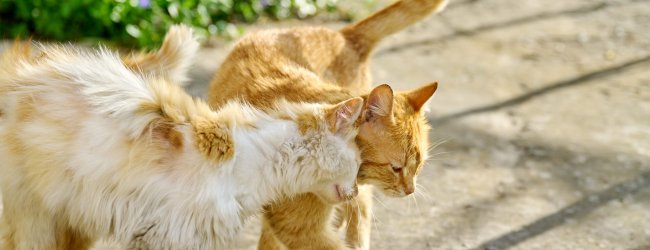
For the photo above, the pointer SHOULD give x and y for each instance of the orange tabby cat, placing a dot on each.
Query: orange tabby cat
(316, 64)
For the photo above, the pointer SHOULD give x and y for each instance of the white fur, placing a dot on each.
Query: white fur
(174, 57)
(89, 163)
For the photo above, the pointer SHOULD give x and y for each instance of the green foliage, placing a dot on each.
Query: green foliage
(140, 23)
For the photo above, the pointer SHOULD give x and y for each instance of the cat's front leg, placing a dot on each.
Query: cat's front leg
(358, 214)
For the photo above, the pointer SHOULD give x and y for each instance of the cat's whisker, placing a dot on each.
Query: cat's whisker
(422, 191)
(439, 153)
(373, 214)
(374, 220)
(436, 144)
(358, 220)
(350, 213)
(433, 156)
(421, 187)
(422, 194)
(416, 203)
(428, 198)
(436, 156)
(381, 203)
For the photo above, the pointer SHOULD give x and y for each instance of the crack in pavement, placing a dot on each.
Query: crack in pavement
(582, 79)
(454, 4)
(577, 209)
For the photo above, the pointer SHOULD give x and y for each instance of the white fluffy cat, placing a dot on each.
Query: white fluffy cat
(91, 149)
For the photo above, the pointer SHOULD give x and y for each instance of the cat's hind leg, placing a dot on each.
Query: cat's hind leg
(72, 239)
(25, 231)
(27, 228)
(6, 238)
(29, 225)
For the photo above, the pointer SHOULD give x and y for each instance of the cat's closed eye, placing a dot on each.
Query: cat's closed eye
(396, 169)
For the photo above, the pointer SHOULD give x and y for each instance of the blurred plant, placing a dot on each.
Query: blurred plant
(141, 23)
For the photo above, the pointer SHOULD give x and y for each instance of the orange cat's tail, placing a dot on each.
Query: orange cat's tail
(366, 33)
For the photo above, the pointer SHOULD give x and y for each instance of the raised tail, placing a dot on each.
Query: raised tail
(172, 60)
(9, 61)
(369, 31)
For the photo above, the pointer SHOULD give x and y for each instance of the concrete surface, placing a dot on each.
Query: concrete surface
(542, 119)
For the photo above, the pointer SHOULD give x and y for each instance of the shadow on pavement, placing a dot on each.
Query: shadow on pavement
(600, 161)
(577, 209)
(543, 91)
(496, 26)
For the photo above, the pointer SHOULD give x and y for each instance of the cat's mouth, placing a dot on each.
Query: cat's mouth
(339, 195)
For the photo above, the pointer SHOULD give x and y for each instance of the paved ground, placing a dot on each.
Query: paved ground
(543, 114)
(543, 119)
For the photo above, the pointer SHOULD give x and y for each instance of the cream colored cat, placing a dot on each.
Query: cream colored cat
(91, 149)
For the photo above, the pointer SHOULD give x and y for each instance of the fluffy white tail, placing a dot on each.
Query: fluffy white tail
(102, 80)
(172, 60)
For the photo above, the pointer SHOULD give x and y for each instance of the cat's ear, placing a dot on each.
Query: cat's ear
(343, 115)
(419, 97)
(379, 105)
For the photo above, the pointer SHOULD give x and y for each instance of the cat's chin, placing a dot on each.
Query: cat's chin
(392, 193)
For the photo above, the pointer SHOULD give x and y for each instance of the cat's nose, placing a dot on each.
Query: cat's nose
(409, 190)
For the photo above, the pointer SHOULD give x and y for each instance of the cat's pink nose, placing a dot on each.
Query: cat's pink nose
(409, 190)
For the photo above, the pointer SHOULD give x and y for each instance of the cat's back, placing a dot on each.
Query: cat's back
(277, 50)
(288, 63)
(311, 47)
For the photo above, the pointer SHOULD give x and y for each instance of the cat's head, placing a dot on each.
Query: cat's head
(328, 151)
(393, 139)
